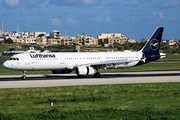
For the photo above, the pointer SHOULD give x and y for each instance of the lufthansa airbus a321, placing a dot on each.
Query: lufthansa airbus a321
(86, 63)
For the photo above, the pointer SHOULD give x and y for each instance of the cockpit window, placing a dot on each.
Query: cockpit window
(14, 59)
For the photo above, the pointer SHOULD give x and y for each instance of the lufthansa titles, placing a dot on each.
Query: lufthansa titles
(42, 56)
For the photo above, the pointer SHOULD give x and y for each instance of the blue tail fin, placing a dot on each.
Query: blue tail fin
(151, 49)
(153, 44)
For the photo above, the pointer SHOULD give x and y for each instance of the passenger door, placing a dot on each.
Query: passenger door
(27, 60)
(61, 57)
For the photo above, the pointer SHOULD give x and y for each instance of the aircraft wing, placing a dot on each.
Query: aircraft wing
(107, 63)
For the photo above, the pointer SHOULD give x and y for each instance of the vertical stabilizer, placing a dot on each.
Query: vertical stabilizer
(153, 44)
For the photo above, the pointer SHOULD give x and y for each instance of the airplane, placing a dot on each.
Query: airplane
(87, 63)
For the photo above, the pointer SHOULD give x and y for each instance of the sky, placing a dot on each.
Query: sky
(137, 19)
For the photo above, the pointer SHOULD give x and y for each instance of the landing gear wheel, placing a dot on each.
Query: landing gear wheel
(23, 77)
(97, 75)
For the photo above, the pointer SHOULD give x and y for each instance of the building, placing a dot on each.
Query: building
(55, 34)
(174, 42)
(51, 41)
(111, 35)
(4, 33)
(2, 38)
(131, 40)
(17, 40)
(67, 41)
(31, 34)
(27, 37)
(41, 39)
(88, 40)
(36, 34)
(15, 35)
(94, 42)
(107, 39)
(78, 39)
(55, 38)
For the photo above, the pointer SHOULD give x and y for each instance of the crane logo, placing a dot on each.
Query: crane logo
(154, 44)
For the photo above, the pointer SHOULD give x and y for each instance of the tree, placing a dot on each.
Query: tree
(120, 48)
(11, 49)
(8, 41)
(116, 44)
(126, 47)
(110, 46)
(165, 47)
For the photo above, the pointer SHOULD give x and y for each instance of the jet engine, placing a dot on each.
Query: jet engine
(61, 71)
(85, 70)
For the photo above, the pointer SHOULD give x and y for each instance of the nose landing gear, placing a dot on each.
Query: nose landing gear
(24, 75)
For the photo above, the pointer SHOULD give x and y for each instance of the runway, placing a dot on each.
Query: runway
(52, 80)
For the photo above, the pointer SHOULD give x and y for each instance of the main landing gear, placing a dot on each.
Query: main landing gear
(24, 75)
(97, 75)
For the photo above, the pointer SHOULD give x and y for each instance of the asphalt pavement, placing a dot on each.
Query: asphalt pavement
(53, 80)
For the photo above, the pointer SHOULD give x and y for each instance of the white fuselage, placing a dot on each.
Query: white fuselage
(60, 60)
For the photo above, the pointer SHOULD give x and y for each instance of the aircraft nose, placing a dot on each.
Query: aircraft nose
(6, 65)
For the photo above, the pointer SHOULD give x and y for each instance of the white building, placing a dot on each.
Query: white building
(38, 33)
(111, 35)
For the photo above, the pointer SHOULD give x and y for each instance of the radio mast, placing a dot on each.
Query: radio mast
(2, 26)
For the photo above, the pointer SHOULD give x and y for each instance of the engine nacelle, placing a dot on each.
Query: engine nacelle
(85, 70)
(61, 71)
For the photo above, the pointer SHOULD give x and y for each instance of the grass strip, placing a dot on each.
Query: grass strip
(171, 57)
(131, 101)
(4, 57)
(103, 114)
(2, 50)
